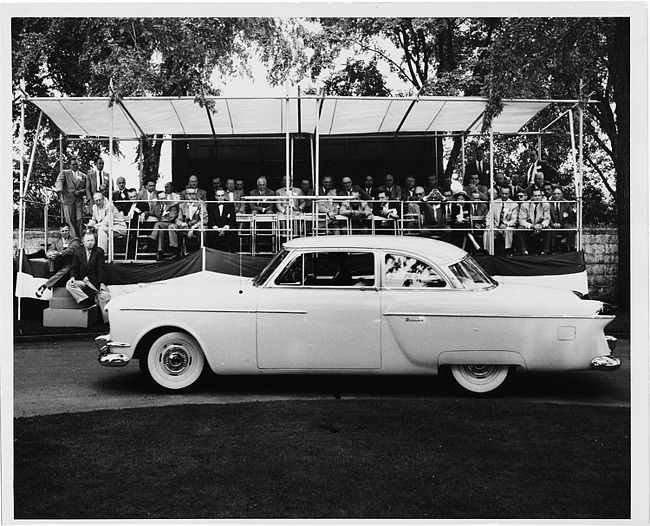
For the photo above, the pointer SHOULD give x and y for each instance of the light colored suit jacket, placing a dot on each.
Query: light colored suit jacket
(72, 188)
(510, 213)
(528, 217)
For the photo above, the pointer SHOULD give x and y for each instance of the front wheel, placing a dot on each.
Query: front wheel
(481, 379)
(174, 361)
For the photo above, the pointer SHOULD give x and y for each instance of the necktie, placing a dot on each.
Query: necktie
(99, 179)
(557, 211)
(220, 209)
(501, 215)
(535, 217)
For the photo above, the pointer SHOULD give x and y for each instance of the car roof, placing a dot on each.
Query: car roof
(437, 251)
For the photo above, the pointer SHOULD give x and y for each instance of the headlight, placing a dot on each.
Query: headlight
(607, 310)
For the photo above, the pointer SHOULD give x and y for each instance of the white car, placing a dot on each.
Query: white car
(358, 305)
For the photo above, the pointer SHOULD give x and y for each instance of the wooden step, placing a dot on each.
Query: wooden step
(70, 317)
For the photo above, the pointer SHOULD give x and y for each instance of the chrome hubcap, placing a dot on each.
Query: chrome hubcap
(480, 371)
(175, 360)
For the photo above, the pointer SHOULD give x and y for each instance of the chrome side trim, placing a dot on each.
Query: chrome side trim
(224, 311)
(517, 316)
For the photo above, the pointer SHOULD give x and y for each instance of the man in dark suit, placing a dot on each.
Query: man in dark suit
(408, 192)
(88, 275)
(393, 192)
(562, 216)
(478, 167)
(121, 194)
(97, 181)
(71, 187)
(537, 166)
(222, 222)
(368, 191)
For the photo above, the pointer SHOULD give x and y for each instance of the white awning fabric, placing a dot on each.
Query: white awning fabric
(134, 117)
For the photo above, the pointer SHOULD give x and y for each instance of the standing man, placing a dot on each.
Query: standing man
(368, 191)
(222, 222)
(71, 187)
(408, 192)
(478, 167)
(536, 165)
(216, 185)
(393, 192)
(88, 275)
(97, 180)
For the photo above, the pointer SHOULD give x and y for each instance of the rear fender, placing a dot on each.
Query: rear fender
(481, 357)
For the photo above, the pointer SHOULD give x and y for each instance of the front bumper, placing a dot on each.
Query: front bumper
(609, 362)
(107, 357)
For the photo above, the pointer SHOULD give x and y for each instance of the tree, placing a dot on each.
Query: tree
(145, 56)
(357, 78)
(574, 58)
(434, 56)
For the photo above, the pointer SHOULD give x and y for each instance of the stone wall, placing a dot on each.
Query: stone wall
(601, 258)
(600, 246)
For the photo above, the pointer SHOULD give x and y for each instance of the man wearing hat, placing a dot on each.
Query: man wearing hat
(460, 218)
(71, 187)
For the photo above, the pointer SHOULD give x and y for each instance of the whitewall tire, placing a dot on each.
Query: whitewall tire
(174, 361)
(481, 379)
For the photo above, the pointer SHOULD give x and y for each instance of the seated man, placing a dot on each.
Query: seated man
(222, 222)
(88, 275)
(358, 212)
(535, 215)
(60, 255)
(563, 216)
(328, 207)
(386, 213)
(149, 195)
(167, 211)
(101, 220)
(192, 216)
(474, 185)
(504, 221)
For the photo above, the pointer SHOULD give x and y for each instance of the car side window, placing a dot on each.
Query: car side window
(330, 269)
(402, 271)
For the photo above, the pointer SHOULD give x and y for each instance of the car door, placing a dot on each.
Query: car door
(415, 297)
(321, 311)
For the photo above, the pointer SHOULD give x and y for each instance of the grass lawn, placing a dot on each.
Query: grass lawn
(445, 459)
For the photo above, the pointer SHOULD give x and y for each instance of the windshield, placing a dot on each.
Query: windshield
(471, 275)
(270, 268)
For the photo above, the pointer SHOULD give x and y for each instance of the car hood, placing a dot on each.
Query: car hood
(193, 291)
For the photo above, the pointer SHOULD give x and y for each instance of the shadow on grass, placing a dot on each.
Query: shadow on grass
(446, 459)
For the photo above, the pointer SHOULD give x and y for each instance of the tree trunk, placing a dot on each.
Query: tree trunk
(619, 66)
(151, 159)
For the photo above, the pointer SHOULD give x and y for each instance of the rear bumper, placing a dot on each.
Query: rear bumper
(107, 356)
(608, 362)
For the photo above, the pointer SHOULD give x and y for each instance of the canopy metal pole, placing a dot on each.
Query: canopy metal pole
(573, 163)
(539, 147)
(110, 186)
(31, 158)
(21, 207)
(581, 116)
(287, 162)
(462, 157)
(140, 162)
(317, 146)
(491, 197)
(60, 170)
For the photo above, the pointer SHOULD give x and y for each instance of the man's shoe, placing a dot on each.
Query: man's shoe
(40, 290)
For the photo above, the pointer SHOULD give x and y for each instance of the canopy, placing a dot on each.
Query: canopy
(232, 116)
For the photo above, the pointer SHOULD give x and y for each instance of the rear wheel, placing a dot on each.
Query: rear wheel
(175, 361)
(481, 379)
